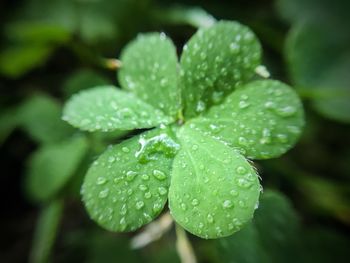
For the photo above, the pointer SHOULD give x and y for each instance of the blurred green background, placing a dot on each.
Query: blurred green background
(52, 49)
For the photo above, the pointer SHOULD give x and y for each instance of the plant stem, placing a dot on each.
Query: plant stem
(152, 232)
(184, 247)
(46, 231)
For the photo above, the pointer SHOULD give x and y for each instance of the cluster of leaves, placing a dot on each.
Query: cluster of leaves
(211, 112)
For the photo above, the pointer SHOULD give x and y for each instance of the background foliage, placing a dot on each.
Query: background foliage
(52, 49)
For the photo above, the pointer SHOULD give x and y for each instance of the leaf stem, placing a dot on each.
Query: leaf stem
(152, 232)
(46, 231)
(184, 247)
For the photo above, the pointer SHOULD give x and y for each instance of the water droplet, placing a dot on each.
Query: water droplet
(194, 147)
(282, 138)
(195, 202)
(145, 177)
(269, 105)
(242, 141)
(139, 205)
(243, 104)
(200, 106)
(111, 159)
(210, 218)
(159, 175)
(104, 193)
(101, 180)
(242, 204)
(241, 170)
(162, 190)
(243, 183)
(183, 206)
(123, 223)
(234, 192)
(129, 192)
(143, 187)
(130, 175)
(227, 204)
(148, 195)
(123, 210)
(157, 207)
(125, 149)
(234, 47)
(286, 111)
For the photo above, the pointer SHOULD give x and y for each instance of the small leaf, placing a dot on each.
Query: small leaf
(127, 186)
(263, 119)
(107, 108)
(215, 61)
(46, 231)
(149, 70)
(40, 117)
(51, 167)
(214, 190)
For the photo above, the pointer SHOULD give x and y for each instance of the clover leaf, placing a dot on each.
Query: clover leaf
(208, 118)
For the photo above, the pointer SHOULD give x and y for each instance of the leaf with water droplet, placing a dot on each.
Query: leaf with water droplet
(150, 71)
(120, 192)
(214, 61)
(213, 209)
(51, 167)
(107, 108)
(263, 119)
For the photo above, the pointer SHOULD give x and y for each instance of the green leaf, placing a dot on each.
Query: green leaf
(184, 15)
(51, 167)
(8, 122)
(127, 186)
(263, 119)
(83, 79)
(46, 231)
(272, 235)
(18, 60)
(40, 117)
(214, 190)
(37, 32)
(149, 70)
(107, 108)
(215, 61)
(324, 75)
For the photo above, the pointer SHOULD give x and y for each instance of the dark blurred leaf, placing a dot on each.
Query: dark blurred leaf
(36, 32)
(324, 245)
(318, 53)
(271, 237)
(8, 122)
(83, 79)
(326, 196)
(51, 167)
(17, 60)
(40, 117)
(182, 15)
(45, 232)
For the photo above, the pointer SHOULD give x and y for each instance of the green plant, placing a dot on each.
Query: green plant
(210, 115)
